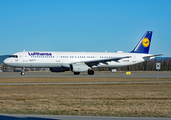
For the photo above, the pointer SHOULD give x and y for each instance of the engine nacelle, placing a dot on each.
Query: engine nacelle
(59, 69)
(78, 67)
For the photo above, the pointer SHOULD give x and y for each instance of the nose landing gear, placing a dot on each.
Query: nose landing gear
(22, 72)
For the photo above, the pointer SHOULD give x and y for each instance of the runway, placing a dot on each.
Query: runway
(134, 74)
(59, 117)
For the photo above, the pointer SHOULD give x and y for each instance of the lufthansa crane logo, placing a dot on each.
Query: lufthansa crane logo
(146, 42)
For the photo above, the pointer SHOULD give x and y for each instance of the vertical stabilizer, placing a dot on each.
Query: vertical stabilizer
(144, 44)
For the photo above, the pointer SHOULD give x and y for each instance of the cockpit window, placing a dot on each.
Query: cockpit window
(13, 56)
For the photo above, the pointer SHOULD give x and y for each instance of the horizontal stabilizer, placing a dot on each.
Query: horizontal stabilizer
(153, 55)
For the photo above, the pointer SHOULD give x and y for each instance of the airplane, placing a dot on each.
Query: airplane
(82, 61)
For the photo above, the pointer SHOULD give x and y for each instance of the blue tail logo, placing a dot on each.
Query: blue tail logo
(144, 44)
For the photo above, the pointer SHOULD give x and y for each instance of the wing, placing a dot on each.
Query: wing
(96, 62)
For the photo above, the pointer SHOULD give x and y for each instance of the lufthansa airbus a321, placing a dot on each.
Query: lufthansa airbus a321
(82, 61)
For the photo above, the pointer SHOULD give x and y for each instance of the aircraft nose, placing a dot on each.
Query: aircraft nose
(6, 61)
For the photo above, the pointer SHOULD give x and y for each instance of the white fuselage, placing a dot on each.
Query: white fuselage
(64, 59)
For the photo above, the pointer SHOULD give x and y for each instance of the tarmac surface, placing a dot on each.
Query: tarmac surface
(134, 74)
(59, 117)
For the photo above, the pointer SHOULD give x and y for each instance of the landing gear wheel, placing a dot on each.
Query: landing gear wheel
(76, 73)
(22, 73)
(90, 72)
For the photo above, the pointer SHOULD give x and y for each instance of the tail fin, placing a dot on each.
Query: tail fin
(144, 44)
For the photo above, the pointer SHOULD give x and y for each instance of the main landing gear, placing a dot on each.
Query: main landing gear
(22, 72)
(90, 72)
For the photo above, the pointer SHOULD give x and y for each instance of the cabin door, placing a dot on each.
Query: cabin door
(134, 59)
(25, 57)
(58, 58)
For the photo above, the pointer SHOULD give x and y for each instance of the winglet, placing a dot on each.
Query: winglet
(144, 44)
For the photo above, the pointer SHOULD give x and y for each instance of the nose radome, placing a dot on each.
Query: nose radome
(6, 61)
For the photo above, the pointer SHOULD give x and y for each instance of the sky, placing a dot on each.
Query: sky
(84, 25)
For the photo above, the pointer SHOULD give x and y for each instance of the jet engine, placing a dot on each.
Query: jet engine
(78, 67)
